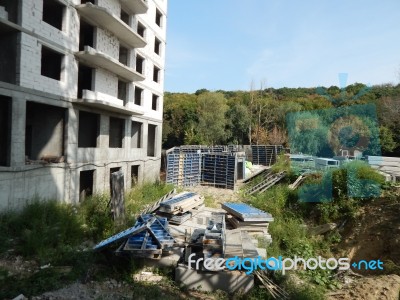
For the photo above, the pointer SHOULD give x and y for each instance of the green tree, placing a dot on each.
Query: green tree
(387, 139)
(180, 115)
(238, 123)
(212, 108)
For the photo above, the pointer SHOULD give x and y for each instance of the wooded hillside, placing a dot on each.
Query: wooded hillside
(262, 116)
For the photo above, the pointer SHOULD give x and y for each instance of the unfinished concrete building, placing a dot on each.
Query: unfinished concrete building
(81, 96)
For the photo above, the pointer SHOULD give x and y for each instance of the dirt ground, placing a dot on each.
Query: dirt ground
(16, 265)
(113, 290)
(370, 288)
(218, 195)
(375, 234)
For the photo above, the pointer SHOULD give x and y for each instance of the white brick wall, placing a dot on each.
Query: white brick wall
(152, 31)
(60, 183)
(32, 20)
(106, 82)
(107, 43)
(30, 75)
(113, 5)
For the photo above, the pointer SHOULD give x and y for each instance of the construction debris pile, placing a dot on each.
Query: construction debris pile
(249, 218)
(179, 226)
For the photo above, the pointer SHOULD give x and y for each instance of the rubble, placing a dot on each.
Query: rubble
(182, 227)
(147, 277)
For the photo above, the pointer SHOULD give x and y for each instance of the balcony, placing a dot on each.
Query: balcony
(106, 102)
(135, 6)
(103, 18)
(96, 59)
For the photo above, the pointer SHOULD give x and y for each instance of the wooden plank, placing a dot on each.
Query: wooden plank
(118, 196)
(298, 181)
(271, 183)
(275, 290)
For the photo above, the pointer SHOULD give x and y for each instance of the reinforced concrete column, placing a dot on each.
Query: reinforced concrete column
(104, 135)
(71, 137)
(18, 123)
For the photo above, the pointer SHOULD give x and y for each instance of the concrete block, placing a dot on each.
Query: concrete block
(166, 260)
(229, 281)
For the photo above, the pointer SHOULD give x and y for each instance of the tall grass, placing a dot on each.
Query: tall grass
(41, 229)
(44, 228)
(94, 213)
(58, 233)
(140, 197)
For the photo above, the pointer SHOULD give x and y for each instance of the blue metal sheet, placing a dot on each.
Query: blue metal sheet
(155, 237)
(120, 236)
(244, 211)
(145, 223)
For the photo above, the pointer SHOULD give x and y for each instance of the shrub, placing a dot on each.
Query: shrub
(274, 200)
(342, 191)
(96, 218)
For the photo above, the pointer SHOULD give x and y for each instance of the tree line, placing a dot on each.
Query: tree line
(265, 116)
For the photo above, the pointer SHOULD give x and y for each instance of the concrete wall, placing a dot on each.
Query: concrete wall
(57, 182)
(19, 183)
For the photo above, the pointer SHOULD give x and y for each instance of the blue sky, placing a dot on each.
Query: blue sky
(227, 44)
